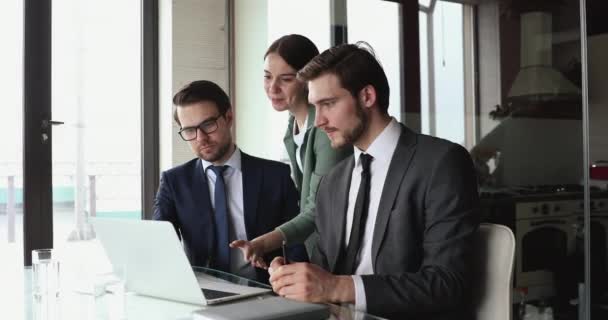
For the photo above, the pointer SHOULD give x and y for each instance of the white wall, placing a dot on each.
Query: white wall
(598, 97)
(194, 46)
(165, 85)
(489, 64)
(312, 20)
(597, 50)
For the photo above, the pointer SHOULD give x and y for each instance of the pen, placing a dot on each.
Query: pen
(284, 245)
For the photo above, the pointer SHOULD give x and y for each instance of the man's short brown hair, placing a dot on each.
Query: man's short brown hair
(200, 91)
(355, 65)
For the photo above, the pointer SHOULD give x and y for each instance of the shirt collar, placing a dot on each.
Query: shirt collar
(233, 162)
(301, 130)
(383, 146)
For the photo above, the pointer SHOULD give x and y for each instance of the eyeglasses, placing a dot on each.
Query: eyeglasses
(208, 126)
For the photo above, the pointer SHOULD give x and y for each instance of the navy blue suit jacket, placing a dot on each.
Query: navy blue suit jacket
(269, 199)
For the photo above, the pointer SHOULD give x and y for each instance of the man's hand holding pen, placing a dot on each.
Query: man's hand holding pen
(284, 247)
(308, 282)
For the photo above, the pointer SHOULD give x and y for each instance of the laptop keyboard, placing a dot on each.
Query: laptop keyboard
(214, 294)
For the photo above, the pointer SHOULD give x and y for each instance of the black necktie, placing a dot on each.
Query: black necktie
(359, 216)
(222, 233)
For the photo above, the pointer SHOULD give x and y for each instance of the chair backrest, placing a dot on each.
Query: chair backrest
(494, 272)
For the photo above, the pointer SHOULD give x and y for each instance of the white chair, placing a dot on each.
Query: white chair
(493, 272)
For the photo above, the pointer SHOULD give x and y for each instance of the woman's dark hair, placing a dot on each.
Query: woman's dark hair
(295, 49)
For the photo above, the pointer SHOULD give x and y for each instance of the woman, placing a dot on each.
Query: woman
(308, 147)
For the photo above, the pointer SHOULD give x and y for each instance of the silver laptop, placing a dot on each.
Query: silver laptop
(157, 266)
(275, 308)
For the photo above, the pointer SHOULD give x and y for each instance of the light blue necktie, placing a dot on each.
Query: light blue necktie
(222, 233)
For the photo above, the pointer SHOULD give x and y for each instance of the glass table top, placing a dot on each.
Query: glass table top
(232, 278)
(336, 311)
(73, 305)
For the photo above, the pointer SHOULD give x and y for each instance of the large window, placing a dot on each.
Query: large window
(96, 92)
(442, 68)
(11, 142)
(384, 38)
(11, 149)
(63, 63)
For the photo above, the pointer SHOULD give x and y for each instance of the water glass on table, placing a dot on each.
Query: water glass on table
(45, 273)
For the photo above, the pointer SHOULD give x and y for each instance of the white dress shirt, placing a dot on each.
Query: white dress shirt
(382, 150)
(298, 139)
(233, 179)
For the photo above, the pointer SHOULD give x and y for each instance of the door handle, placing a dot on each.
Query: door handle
(45, 125)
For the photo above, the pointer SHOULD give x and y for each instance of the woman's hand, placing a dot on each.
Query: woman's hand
(253, 251)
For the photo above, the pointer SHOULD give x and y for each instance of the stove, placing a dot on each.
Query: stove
(547, 221)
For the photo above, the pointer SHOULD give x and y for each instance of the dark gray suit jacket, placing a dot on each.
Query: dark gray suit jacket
(422, 242)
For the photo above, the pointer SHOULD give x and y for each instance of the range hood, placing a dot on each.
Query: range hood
(537, 80)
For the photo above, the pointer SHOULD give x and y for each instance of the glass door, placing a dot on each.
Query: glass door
(96, 93)
(96, 98)
(529, 147)
(594, 62)
(11, 146)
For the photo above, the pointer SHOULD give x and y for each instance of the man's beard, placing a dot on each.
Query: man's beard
(353, 135)
(221, 152)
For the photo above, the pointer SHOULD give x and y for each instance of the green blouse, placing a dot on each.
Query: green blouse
(317, 158)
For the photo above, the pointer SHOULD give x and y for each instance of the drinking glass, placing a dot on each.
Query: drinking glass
(45, 269)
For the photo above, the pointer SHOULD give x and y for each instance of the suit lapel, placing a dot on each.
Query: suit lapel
(339, 207)
(396, 172)
(252, 178)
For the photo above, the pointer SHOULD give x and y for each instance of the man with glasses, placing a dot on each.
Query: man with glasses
(223, 194)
